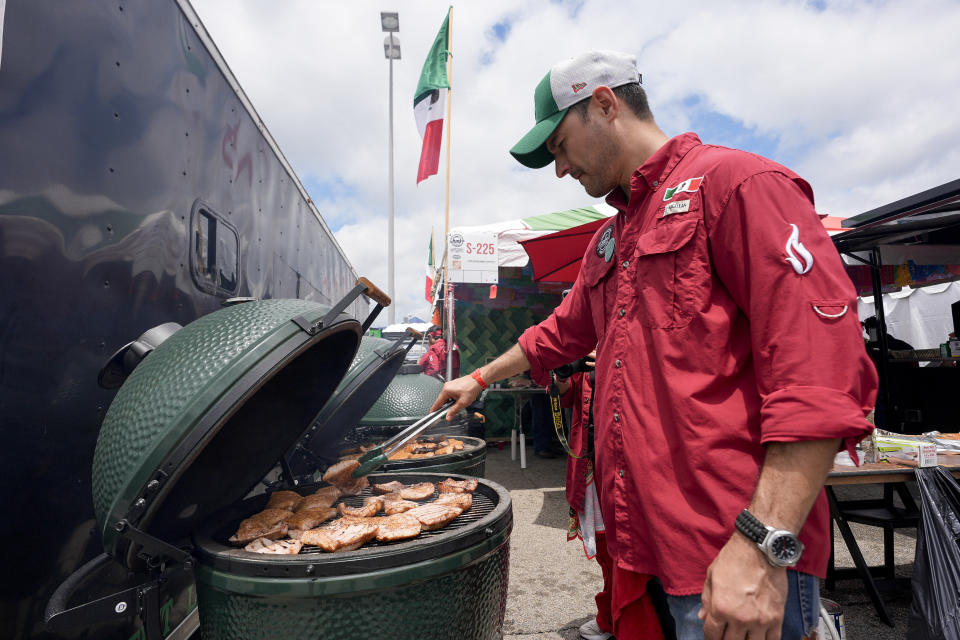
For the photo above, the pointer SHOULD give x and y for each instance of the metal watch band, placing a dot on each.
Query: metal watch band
(747, 524)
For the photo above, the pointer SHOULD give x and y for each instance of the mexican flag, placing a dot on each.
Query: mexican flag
(428, 102)
(430, 271)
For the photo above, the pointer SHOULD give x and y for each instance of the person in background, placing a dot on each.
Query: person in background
(729, 370)
(586, 520)
(434, 361)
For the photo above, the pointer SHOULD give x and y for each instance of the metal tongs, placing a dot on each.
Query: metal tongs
(374, 459)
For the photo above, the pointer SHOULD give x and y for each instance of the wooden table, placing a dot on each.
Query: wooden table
(880, 512)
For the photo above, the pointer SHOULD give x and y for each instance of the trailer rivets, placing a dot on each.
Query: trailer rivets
(152, 485)
(121, 607)
(310, 569)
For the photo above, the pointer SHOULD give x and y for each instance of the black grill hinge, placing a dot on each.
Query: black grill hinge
(152, 548)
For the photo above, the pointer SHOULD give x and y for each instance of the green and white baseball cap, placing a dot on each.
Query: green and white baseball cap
(566, 84)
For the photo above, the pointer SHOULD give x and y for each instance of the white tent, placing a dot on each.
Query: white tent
(920, 316)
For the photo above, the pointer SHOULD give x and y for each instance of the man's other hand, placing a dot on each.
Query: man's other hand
(463, 391)
(743, 595)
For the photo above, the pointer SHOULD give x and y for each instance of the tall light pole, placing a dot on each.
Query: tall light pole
(390, 22)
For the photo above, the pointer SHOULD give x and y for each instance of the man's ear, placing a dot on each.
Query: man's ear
(605, 104)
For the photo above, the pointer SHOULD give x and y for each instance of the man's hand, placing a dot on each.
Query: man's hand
(743, 596)
(463, 391)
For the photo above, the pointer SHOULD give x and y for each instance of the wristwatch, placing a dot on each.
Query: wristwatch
(780, 547)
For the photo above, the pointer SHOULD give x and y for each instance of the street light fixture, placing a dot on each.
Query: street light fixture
(390, 22)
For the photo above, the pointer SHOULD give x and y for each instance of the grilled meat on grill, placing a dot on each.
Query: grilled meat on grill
(280, 547)
(270, 523)
(393, 504)
(399, 526)
(355, 487)
(460, 500)
(308, 519)
(457, 486)
(340, 476)
(420, 491)
(388, 487)
(289, 500)
(339, 473)
(340, 535)
(320, 500)
(371, 507)
(434, 516)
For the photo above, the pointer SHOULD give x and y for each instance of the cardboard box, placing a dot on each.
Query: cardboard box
(906, 451)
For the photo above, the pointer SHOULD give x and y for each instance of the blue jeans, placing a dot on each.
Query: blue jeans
(800, 617)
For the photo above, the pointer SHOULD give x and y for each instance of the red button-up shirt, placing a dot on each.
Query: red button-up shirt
(723, 320)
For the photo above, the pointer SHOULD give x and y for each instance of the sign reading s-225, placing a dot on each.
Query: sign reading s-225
(473, 256)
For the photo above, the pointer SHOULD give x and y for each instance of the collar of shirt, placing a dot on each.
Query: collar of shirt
(651, 174)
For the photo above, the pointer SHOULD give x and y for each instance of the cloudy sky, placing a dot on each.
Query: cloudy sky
(859, 97)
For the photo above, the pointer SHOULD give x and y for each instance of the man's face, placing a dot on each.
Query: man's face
(587, 151)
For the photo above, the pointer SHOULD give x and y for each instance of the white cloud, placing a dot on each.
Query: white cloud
(859, 95)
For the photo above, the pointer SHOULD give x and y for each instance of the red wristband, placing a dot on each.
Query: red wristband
(476, 376)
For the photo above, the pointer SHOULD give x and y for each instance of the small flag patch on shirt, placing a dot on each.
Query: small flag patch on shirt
(680, 206)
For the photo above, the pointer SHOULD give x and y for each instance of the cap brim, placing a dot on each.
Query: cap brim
(531, 151)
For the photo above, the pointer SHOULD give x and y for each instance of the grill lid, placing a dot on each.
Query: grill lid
(406, 400)
(202, 420)
(373, 368)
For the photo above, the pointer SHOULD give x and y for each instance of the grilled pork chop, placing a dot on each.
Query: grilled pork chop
(460, 500)
(355, 487)
(420, 491)
(434, 516)
(289, 500)
(399, 526)
(388, 487)
(340, 535)
(371, 507)
(457, 486)
(269, 523)
(320, 501)
(339, 473)
(280, 547)
(330, 493)
(308, 519)
(393, 504)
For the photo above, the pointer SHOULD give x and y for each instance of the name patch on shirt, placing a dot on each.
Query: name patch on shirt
(681, 206)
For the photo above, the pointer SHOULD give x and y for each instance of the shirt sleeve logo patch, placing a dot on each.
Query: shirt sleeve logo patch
(606, 244)
(797, 254)
(690, 185)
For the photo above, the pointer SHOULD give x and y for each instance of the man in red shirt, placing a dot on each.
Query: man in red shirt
(730, 363)
(434, 361)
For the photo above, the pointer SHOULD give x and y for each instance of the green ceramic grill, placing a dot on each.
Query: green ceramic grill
(182, 451)
(209, 412)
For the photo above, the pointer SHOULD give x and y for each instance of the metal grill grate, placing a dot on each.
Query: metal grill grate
(482, 505)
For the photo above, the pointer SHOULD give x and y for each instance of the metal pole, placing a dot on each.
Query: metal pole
(391, 310)
(448, 299)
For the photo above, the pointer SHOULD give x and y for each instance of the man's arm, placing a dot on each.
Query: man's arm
(464, 390)
(744, 595)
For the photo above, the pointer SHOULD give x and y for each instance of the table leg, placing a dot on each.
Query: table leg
(513, 443)
(523, 449)
(858, 560)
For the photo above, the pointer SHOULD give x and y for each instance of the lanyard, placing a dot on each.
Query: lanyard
(557, 413)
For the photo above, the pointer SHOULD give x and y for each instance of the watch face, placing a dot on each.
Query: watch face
(786, 548)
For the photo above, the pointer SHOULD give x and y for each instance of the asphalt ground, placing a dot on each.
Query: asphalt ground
(552, 584)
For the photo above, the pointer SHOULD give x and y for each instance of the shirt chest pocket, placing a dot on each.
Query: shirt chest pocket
(672, 273)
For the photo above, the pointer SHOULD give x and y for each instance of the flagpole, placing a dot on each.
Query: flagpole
(448, 298)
